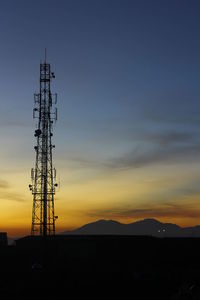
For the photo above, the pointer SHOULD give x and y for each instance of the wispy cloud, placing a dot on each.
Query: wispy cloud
(4, 184)
(149, 148)
(167, 210)
(7, 194)
(11, 196)
(177, 201)
(171, 154)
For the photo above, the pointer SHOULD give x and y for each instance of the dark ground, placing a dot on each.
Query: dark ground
(101, 266)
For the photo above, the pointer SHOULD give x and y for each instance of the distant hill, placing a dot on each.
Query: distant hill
(144, 227)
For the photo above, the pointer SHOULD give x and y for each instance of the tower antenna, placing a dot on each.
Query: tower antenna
(44, 175)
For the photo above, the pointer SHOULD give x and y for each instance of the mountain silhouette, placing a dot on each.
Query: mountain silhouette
(151, 227)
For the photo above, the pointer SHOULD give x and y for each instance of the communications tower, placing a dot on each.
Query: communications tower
(43, 176)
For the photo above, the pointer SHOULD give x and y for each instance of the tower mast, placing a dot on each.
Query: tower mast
(44, 175)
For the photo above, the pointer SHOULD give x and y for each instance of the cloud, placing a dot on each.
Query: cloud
(4, 184)
(11, 197)
(180, 201)
(168, 147)
(6, 194)
(148, 148)
(138, 158)
(166, 210)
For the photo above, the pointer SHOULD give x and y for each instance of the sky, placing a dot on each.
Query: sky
(127, 137)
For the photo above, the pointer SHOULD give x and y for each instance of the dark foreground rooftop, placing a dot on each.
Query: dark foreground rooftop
(146, 267)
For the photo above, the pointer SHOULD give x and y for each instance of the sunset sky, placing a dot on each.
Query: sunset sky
(128, 132)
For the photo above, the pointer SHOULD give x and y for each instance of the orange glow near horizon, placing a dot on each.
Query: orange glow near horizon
(124, 196)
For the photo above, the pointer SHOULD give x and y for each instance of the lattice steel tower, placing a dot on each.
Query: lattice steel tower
(44, 175)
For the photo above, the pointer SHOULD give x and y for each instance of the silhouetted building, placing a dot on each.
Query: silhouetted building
(3, 239)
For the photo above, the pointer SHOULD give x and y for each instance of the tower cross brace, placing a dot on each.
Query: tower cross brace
(43, 176)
